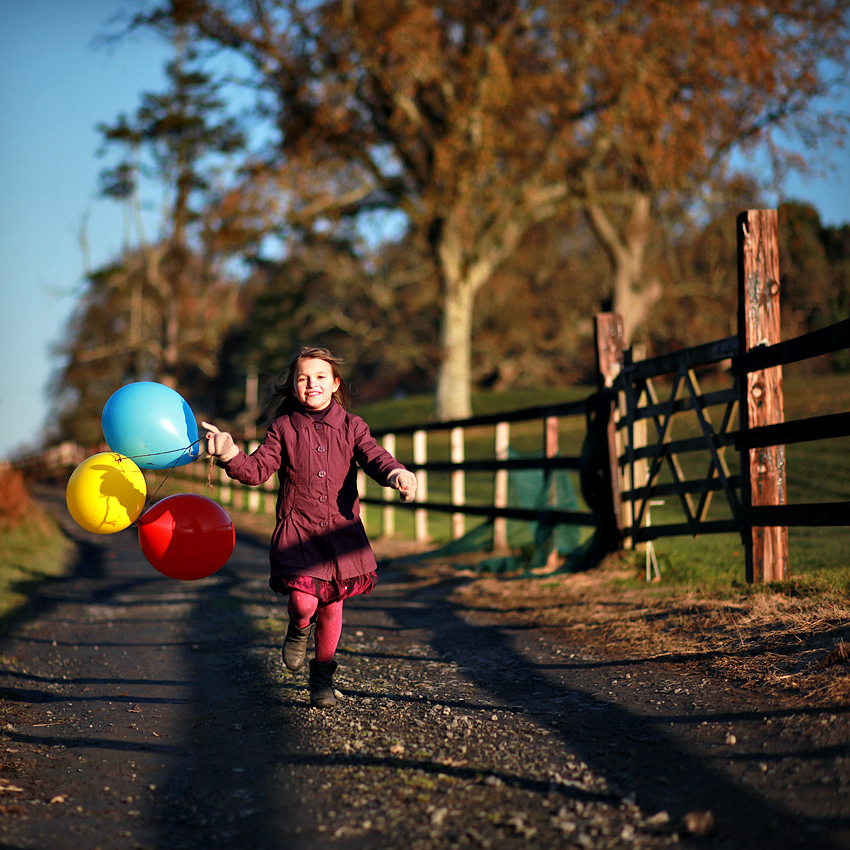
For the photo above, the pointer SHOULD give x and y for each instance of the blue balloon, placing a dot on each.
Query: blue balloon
(152, 424)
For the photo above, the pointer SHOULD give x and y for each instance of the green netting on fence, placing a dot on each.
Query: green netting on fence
(530, 542)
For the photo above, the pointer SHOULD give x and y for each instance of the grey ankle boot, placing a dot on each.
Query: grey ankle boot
(295, 645)
(321, 683)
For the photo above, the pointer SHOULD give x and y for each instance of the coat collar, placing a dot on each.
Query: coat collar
(334, 418)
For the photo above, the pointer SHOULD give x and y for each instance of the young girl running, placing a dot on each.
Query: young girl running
(319, 551)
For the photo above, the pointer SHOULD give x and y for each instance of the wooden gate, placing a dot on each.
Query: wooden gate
(747, 415)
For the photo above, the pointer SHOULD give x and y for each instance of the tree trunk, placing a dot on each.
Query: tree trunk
(453, 397)
(627, 250)
(462, 276)
(632, 303)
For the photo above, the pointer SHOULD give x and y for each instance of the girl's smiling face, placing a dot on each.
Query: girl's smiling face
(314, 383)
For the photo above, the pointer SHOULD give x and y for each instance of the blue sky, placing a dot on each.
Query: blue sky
(55, 87)
(54, 90)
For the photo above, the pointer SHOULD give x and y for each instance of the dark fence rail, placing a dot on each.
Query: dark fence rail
(526, 414)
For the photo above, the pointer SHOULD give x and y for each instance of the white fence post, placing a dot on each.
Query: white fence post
(225, 491)
(388, 494)
(420, 455)
(361, 493)
(271, 496)
(254, 493)
(458, 483)
(500, 494)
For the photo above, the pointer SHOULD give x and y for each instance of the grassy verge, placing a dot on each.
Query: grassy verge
(31, 550)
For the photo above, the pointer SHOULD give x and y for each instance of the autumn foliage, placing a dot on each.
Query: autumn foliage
(479, 121)
(15, 502)
(538, 161)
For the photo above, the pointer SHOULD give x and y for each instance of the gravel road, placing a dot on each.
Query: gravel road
(140, 712)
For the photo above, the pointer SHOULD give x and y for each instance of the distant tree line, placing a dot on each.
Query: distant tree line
(446, 192)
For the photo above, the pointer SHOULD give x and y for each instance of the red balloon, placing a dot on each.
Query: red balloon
(187, 537)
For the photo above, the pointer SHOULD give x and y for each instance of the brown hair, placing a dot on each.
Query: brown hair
(283, 398)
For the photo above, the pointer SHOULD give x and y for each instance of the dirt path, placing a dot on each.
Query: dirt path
(145, 713)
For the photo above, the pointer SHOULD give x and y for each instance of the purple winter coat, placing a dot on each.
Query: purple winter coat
(318, 531)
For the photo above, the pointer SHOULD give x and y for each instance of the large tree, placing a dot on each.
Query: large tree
(417, 107)
(480, 119)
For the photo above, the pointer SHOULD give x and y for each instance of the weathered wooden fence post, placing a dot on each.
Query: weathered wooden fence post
(635, 470)
(762, 469)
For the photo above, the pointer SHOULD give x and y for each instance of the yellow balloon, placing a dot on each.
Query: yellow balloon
(106, 493)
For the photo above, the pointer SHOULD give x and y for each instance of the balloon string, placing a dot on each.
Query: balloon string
(209, 482)
(150, 497)
(169, 452)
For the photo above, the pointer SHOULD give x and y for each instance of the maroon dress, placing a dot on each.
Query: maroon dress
(319, 544)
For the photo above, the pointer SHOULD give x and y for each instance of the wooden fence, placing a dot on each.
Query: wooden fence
(755, 494)
(442, 449)
(458, 466)
(623, 473)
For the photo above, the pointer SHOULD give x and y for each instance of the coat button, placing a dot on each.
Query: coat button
(323, 498)
(324, 523)
(321, 473)
(317, 425)
(320, 448)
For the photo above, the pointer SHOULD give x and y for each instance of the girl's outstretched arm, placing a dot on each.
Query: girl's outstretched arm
(378, 463)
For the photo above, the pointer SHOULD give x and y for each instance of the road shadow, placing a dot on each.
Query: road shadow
(228, 791)
(223, 782)
(631, 750)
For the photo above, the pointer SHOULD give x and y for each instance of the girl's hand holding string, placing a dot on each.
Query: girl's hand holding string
(405, 482)
(219, 443)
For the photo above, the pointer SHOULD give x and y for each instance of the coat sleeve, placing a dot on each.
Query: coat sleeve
(261, 464)
(375, 461)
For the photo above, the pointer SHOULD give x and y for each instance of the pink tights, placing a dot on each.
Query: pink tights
(302, 606)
